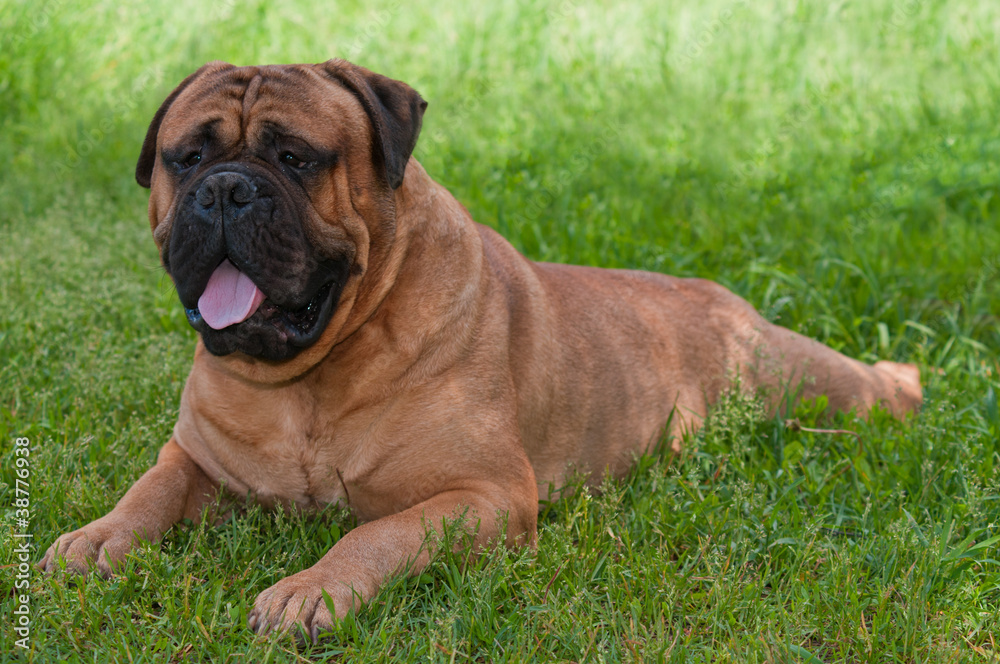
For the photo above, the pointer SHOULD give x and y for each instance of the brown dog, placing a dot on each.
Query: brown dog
(364, 342)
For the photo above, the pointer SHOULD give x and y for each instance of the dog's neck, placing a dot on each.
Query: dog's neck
(435, 242)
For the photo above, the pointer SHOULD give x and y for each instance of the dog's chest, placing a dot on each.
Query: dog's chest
(276, 450)
(308, 468)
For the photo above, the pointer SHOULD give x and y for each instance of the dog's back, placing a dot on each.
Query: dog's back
(603, 359)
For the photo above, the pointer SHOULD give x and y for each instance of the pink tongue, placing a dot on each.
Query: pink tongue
(229, 298)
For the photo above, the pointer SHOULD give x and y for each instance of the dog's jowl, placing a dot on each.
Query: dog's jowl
(362, 341)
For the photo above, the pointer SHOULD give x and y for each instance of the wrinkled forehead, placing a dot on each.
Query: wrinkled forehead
(246, 104)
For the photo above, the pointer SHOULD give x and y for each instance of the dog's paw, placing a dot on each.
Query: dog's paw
(296, 604)
(100, 544)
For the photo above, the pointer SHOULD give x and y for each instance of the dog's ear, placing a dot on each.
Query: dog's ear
(147, 157)
(395, 110)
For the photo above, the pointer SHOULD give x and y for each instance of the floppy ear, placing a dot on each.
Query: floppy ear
(147, 158)
(395, 110)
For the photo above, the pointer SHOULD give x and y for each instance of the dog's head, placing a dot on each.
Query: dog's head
(272, 193)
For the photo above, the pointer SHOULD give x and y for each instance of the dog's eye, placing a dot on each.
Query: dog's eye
(293, 161)
(191, 160)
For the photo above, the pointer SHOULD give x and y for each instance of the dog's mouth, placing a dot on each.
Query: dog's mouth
(300, 323)
(234, 314)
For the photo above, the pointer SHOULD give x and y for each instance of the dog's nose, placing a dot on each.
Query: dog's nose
(227, 189)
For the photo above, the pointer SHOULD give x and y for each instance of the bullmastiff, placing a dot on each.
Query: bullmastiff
(363, 342)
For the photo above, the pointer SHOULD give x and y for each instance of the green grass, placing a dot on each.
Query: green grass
(834, 163)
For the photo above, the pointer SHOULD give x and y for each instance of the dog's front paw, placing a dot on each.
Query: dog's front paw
(100, 542)
(296, 603)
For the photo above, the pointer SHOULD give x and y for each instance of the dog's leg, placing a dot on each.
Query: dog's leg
(786, 363)
(356, 567)
(171, 490)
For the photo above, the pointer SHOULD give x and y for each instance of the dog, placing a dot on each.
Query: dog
(363, 342)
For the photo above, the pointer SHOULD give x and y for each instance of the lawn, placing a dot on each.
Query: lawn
(833, 163)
